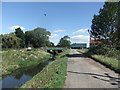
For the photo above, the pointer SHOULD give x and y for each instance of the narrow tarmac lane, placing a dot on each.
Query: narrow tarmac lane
(83, 72)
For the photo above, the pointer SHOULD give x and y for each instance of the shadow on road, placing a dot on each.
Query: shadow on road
(75, 55)
(111, 80)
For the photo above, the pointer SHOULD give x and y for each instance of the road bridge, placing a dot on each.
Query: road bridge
(55, 50)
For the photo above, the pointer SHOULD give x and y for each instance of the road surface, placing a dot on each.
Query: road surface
(83, 72)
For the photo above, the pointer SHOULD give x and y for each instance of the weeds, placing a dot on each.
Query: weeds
(52, 76)
(14, 59)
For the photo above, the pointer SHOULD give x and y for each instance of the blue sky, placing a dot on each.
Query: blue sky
(62, 18)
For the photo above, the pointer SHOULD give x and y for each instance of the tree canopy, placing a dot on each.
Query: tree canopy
(105, 25)
(39, 37)
(64, 42)
(20, 34)
(10, 41)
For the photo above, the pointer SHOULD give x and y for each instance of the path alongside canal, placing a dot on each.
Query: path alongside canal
(83, 72)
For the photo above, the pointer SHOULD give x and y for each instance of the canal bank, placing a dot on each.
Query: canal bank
(20, 76)
(16, 59)
(52, 76)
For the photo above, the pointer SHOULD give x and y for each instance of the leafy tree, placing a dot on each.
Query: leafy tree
(10, 41)
(19, 33)
(51, 44)
(64, 42)
(105, 26)
(117, 33)
(38, 37)
(29, 38)
(1, 36)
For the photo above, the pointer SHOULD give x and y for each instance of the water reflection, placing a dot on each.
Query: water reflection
(11, 81)
(20, 76)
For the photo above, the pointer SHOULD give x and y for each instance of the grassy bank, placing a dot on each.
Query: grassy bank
(110, 62)
(82, 50)
(14, 59)
(52, 76)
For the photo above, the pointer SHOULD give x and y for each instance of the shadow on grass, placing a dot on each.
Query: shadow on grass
(112, 80)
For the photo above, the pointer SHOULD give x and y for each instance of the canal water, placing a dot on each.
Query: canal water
(20, 76)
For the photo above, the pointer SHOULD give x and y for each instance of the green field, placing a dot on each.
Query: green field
(14, 59)
(52, 76)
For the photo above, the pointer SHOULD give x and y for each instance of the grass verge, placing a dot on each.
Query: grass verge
(52, 76)
(110, 62)
(15, 59)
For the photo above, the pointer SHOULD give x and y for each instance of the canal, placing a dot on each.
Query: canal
(20, 76)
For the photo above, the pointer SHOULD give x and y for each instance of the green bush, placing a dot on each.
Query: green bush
(107, 51)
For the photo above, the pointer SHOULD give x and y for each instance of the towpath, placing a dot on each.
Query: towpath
(83, 72)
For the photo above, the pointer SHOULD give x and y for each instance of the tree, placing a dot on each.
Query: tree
(49, 44)
(64, 42)
(105, 25)
(117, 34)
(19, 33)
(29, 38)
(10, 41)
(38, 37)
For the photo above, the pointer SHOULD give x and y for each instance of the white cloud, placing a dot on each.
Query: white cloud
(81, 31)
(59, 31)
(80, 38)
(14, 27)
(53, 35)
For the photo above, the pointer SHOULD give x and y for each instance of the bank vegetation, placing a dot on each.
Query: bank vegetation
(52, 76)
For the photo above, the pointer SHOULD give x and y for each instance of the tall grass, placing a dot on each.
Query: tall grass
(14, 59)
(110, 62)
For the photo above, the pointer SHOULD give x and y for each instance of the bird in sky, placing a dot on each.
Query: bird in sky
(45, 14)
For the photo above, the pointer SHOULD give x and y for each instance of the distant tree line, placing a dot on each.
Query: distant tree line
(106, 25)
(39, 37)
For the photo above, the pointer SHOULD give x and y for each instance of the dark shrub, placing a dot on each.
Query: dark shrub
(107, 51)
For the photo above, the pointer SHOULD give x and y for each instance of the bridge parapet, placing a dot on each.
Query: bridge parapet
(56, 48)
